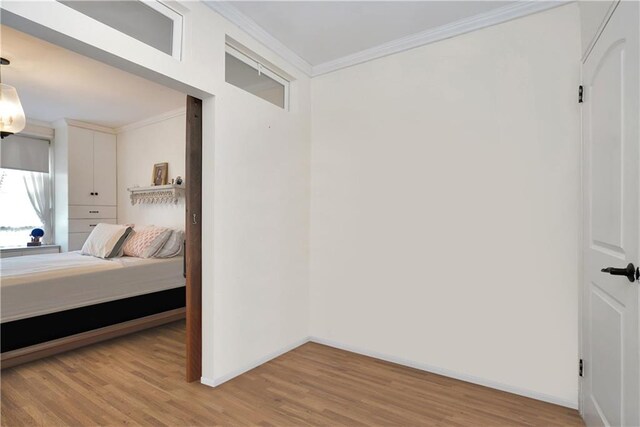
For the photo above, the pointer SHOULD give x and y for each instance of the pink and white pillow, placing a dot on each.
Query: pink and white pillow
(146, 242)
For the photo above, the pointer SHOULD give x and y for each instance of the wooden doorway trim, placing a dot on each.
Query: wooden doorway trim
(193, 230)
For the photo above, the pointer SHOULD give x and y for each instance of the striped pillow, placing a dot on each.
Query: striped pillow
(146, 242)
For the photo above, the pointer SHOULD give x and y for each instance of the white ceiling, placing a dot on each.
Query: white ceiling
(322, 36)
(322, 31)
(54, 83)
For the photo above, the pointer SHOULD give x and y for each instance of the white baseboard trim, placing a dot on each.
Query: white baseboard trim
(448, 373)
(216, 381)
(398, 360)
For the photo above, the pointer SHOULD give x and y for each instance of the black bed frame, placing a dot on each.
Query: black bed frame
(40, 329)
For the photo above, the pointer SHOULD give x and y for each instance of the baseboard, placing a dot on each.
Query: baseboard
(216, 381)
(398, 360)
(448, 373)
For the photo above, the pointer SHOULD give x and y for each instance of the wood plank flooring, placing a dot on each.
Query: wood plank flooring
(139, 380)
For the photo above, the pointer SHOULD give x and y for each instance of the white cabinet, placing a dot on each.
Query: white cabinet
(104, 169)
(80, 172)
(92, 167)
(85, 181)
(87, 225)
(76, 240)
(92, 212)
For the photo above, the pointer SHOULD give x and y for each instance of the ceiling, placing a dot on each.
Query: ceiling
(322, 31)
(54, 83)
(321, 36)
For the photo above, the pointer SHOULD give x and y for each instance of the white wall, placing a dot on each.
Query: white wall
(444, 200)
(139, 147)
(431, 168)
(256, 177)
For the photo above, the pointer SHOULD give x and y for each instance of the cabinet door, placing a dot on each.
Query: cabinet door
(76, 240)
(104, 169)
(80, 166)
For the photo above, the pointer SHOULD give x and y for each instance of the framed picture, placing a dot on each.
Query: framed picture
(160, 173)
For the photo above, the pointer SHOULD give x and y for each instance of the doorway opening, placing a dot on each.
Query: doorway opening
(125, 156)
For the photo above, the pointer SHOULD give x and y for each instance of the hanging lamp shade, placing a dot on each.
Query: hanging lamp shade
(12, 119)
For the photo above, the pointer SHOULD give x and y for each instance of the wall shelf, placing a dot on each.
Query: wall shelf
(156, 194)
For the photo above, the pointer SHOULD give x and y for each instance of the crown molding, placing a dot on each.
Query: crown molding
(85, 125)
(151, 120)
(500, 15)
(38, 129)
(463, 26)
(249, 26)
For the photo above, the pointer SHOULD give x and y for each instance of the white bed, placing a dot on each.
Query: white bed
(41, 284)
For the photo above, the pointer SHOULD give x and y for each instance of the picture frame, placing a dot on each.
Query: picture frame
(160, 174)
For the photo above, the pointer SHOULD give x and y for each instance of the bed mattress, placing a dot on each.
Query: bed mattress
(41, 284)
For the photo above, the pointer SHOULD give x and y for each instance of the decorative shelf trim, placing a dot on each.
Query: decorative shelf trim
(156, 194)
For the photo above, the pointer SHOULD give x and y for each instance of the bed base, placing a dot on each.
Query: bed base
(27, 354)
(41, 336)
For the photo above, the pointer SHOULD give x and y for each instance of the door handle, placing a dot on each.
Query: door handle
(631, 272)
(195, 219)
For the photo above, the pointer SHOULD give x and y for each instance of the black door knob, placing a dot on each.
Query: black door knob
(630, 271)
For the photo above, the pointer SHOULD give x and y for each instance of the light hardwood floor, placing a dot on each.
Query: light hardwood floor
(139, 379)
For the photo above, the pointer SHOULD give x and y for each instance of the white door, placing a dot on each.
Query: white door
(611, 139)
(104, 169)
(80, 166)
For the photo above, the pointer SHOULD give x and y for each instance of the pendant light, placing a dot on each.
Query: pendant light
(12, 119)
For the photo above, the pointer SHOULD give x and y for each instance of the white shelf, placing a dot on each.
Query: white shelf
(156, 194)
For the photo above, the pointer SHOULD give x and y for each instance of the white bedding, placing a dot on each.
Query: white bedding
(40, 284)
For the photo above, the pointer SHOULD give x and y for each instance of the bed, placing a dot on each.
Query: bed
(54, 301)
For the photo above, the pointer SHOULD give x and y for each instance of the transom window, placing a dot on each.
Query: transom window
(151, 21)
(250, 75)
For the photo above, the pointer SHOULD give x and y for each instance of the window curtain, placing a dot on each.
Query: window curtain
(38, 187)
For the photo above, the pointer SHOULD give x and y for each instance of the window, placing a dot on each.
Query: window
(150, 21)
(17, 216)
(25, 190)
(248, 74)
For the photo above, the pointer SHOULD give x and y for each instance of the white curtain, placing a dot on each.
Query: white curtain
(38, 187)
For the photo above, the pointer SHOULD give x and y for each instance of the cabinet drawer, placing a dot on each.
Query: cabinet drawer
(87, 225)
(84, 211)
(76, 240)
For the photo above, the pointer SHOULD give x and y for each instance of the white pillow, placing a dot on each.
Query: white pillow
(106, 240)
(173, 246)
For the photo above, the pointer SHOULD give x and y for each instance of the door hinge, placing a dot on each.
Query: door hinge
(580, 94)
(581, 368)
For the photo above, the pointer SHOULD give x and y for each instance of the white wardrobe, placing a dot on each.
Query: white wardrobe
(85, 181)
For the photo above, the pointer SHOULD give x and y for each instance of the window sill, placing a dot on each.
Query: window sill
(13, 251)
